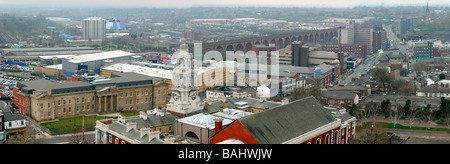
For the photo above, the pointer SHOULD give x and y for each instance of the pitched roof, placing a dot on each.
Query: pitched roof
(434, 89)
(286, 122)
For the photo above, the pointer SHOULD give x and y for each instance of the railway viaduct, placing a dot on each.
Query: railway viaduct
(280, 41)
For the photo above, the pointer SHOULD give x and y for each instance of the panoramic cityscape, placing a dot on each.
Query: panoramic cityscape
(224, 72)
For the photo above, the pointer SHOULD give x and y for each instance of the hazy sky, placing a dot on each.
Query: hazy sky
(190, 3)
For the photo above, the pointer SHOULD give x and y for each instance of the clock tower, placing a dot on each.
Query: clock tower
(184, 100)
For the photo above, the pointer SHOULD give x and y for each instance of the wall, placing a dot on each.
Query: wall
(234, 130)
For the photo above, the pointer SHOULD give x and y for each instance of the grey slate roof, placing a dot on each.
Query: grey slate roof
(251, 102)
(339, 94)
(285, 122)
(434, 89)
(152, 121)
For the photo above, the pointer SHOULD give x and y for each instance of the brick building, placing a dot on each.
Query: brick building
(43, 100)
(304, 121)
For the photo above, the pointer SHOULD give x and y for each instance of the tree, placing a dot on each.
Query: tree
(395, 114)
(385, 105)
(381, 75)
(441, 76)
(372, 110)
(444, 111)
(371, 136)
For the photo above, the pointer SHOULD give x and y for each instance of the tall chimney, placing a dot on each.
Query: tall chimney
(218, 124)
(339, 39)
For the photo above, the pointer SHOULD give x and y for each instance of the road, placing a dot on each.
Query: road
(363, 68)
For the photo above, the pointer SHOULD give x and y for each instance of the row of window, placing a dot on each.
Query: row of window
(69, 110)
(139, 93)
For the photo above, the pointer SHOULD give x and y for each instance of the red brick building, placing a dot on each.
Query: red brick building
(304, 121)
(359, 50)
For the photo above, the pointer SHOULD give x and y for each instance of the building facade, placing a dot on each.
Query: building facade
(43, 100)
(304, 121)
(94, 28)
(300, 54)
(423, 50)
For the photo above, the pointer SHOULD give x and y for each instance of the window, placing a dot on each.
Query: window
(88, 107)
(82, 99)
(117, 141)
(48, 105)
(137, 101)
(137, 93)
(64, 102)
(59, 102)
(131, 94)
(70, 101)
(110, 138)
(126, 94)
(336, 135)
(121, 95)
(78, 100)
(42, 106)
(318, 141)
(49, 114)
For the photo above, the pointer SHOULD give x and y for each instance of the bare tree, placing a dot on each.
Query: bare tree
(372, 110)
(396, 114)
(412, 115)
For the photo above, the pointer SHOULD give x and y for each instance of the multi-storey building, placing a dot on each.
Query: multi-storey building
(423, 50)
(44, 100)
(94, 28)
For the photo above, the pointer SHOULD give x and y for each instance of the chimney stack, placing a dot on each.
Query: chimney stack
(121, 119)
(143, 115)
(218, 124)
(221, 108)
(131, 125)
(144, 131)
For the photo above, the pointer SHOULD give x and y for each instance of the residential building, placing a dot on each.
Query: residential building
(304, 121)
(11, 124)
(433, 91)
(342, 99)
(94, 28)
(43, 100)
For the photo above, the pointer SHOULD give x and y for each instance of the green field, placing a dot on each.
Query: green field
(398, 126)
(71, 122)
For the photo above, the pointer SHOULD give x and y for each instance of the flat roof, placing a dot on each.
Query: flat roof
(99, 56)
